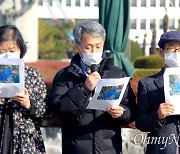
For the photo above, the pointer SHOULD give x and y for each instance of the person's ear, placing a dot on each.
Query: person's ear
(161, 52)
(76, 48)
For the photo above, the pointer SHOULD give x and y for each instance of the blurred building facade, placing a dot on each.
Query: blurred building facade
(23, 14)
(144, 15)
(28, 24)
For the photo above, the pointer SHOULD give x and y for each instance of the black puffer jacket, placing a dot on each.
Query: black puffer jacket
(86, 131)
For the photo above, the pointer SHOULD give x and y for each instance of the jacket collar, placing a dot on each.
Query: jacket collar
(75, 66)
(159, 81)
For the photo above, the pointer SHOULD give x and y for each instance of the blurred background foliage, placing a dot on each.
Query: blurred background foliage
(136, 50)
(147, 65)
(153, 61)
(54, 42)
(144, 72)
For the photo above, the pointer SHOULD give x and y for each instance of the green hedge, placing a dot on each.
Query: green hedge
(141, 73)
(152, 61)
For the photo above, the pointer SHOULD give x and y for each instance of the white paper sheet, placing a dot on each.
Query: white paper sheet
(108, 93)
(172, 87)
(11, 77)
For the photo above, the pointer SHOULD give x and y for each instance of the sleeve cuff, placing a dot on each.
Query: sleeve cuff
(85, 89)
(162, 122)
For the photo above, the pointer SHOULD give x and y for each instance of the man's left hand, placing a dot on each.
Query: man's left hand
(116, 111)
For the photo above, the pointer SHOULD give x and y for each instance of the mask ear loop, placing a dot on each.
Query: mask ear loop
(162, 52)
(81, 55)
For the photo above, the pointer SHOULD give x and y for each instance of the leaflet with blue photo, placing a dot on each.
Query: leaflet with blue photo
(11, 77)
(108, 93)
(172, 87)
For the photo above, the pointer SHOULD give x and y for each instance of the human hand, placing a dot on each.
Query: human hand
(116, 112)
(23, 99)
(165, 109)
(92, 80)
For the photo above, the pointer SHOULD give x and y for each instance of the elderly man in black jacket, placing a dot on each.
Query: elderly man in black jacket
(163, 130)
(87, 131)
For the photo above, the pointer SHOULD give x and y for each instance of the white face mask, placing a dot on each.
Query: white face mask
(13, 55)
(172, 59)
(91, 58)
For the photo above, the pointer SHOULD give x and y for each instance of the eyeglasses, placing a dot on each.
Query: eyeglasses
(172, 49)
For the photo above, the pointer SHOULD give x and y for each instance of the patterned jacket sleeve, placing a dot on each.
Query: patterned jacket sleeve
(37, 92)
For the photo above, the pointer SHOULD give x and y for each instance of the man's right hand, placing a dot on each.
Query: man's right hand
(92, 80)
(165, 109)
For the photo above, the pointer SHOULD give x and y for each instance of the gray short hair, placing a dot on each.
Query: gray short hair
(90, 27)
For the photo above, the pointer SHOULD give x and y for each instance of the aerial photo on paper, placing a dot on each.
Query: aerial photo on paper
(9, 74)
(174, 84)
(110, 92)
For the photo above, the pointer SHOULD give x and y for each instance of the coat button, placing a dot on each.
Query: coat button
(178, 122)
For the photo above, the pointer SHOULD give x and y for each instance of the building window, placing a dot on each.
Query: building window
(171, 3)
(96, 3)
(133, 24)
(143, 23)
(143, 3)
(171, 24)
(77, 3)
(161, 24)
(40, 2)
(68, 2)
(153, 3)
(87, 2)
(50, 2)
(134, 3)
(162, 3)
(152, 23)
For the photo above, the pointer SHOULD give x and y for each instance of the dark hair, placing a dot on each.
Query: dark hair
(11, 33)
